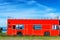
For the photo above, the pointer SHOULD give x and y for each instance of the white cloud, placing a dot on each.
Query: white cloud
(50, 10)
(51, 15)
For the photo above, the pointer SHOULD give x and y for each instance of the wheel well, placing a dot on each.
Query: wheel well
(59, 34)
(47, 33)
(19, 33)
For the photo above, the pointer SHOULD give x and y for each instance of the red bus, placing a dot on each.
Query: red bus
(33, 27)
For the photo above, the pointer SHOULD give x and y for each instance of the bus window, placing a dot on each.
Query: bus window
(19, 26)
(37, 27)
(13, 26)
(55, 27)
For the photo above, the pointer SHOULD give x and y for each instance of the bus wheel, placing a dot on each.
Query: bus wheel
(47, 34)
(19, 34)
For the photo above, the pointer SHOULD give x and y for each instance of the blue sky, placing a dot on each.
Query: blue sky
(28, 9)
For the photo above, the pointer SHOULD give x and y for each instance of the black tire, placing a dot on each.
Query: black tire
(47, 34)
(19, 34)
